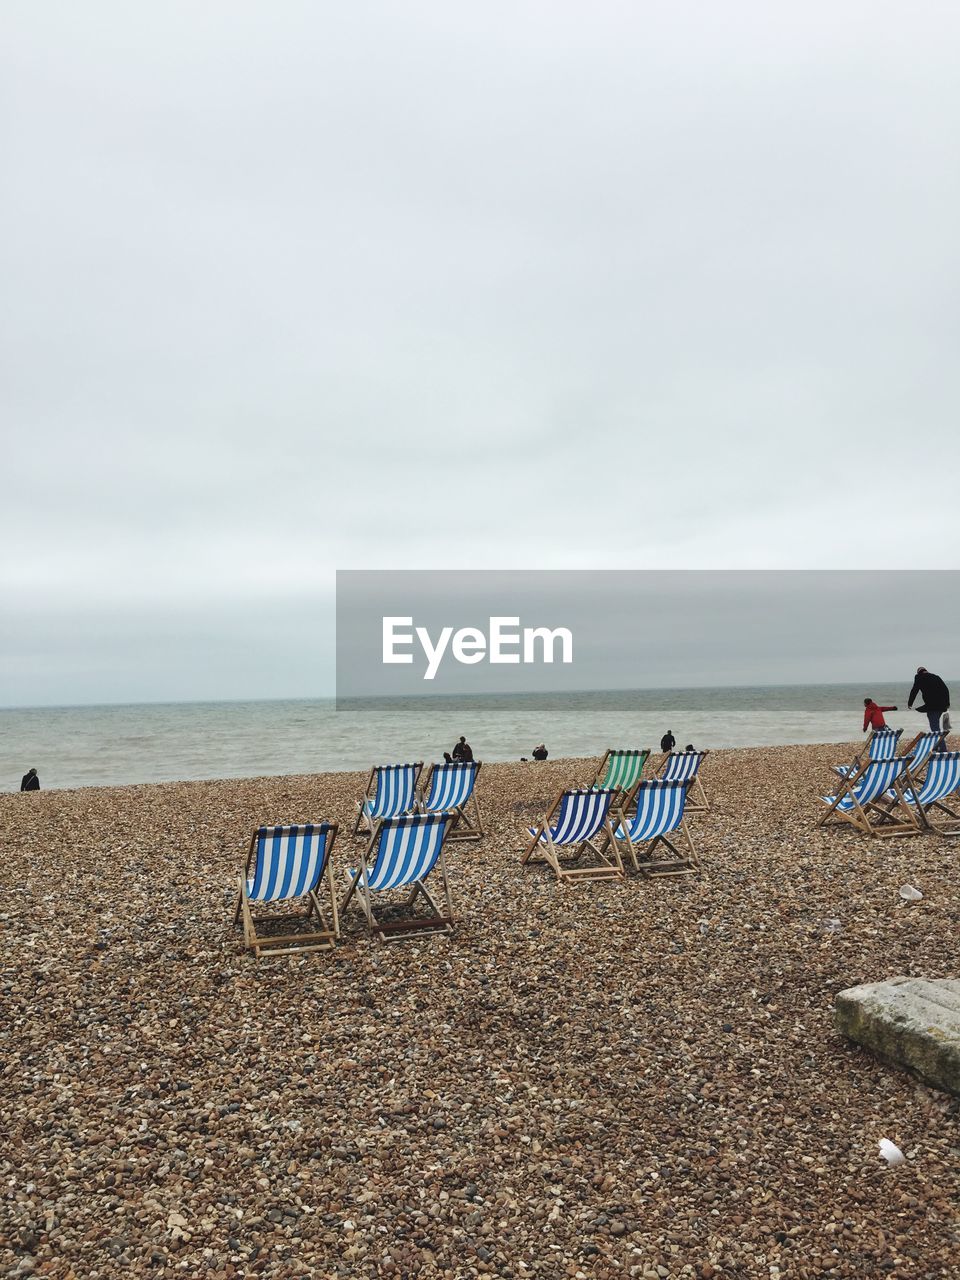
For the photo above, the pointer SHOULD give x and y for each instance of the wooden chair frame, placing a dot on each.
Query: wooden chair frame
(464, 827)
(407, 926)
(290, 943)
(563, 859)
(363, 826)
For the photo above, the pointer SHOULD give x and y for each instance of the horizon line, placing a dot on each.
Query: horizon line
(429, 696)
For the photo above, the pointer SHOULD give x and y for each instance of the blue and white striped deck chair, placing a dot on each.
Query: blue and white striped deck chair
(684, 766)
(881, 745)
(391, 790)
(659, 814)
(401, 854)
(942, 780)
(571, 827)
(285, 864)
(858, 797)
(451, 788)
(921, 749)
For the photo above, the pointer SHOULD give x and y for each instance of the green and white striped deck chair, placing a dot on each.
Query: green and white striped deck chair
(621, 769)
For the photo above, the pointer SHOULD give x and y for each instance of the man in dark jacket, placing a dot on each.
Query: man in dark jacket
(936, 696)
(30, 781)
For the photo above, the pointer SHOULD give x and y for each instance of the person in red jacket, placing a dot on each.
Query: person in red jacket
(873, 715)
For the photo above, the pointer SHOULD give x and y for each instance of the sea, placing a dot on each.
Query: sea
(95, 746)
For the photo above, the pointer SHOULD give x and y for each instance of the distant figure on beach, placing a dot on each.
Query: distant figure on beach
(668, 741)
(463, 751)
(539, 753)
(447, 758)
(689, 747)
(30, 781)
(873, 715)
(936, 696)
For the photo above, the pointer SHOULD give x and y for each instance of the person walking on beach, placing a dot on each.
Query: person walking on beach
(30, 781)
(463, 751)
(936, 696)
(873, 715)
(667, 742)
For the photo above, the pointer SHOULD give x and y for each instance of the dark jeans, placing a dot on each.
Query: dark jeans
(934, 718)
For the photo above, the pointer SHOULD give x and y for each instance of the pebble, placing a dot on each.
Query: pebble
(602, 1080)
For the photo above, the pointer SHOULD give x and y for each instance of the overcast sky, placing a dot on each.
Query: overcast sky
(302, 286)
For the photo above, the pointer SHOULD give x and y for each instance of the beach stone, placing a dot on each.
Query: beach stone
(911, 1022)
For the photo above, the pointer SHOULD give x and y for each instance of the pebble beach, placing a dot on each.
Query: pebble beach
(598, 1080)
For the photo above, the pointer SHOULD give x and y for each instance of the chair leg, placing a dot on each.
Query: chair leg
(331, 889)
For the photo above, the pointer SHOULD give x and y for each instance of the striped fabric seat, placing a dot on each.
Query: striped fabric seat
(285, 863)
(942, 780)
(289, 861)
(407, 850)
(451, 786)
(396, 790)
(623, 769)
(391, 790)
(882, 745)
(923, 748)
(660, 810)
(681, 766)
(684, 766)
(876, 778)
(582, 814)
(402, 853)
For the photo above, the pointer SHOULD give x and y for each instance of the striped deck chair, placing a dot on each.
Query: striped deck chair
(391, 790)
(881, 745)
(660, 809)
(684, 766)
(284, 864)
(401, 854)
(571, 827)
(942, 780)
(451, 788)
(620, 769)
(858, 797)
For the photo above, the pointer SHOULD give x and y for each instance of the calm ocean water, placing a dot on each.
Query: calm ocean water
(102, 746)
